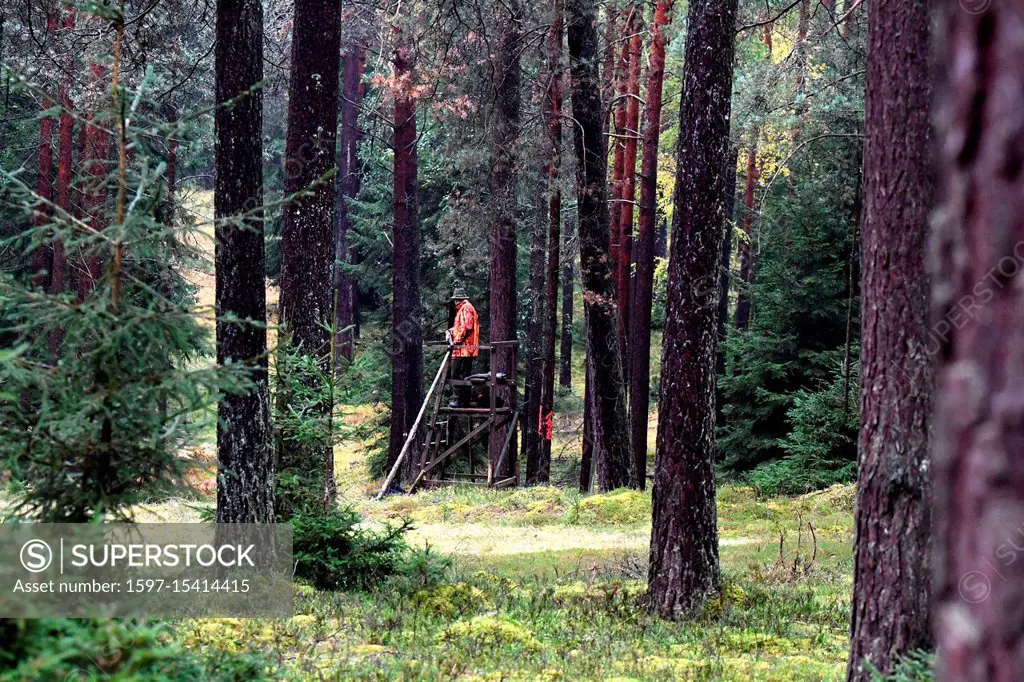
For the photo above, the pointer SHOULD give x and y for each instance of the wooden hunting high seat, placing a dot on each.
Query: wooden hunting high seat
(453, 434)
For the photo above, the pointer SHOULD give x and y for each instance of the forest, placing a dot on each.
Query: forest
(563, 340)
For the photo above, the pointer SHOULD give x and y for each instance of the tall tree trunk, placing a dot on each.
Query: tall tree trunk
(892, 554)
(42, 257)
(623, 268)
(245, 456)
(661, 245)
(746, 241)
(535, 345)
(307, 226)
(553, 119)
(622, 76)
(502, 182)
(724, 277)
(978, 248)
(684, 567)
(613, 459)
(568, 275)
(406, 309)
(640, 312)
(94, 165)
(347, 187)
(587, 451)
(170, 205)
(608, 80)
(66, 140)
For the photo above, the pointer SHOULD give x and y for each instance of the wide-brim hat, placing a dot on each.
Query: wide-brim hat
(460, 295)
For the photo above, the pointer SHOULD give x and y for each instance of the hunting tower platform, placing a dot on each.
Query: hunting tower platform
(455, 448)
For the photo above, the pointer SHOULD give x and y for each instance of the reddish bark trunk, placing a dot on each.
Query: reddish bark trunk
(978, 248)
(623, 268)
(245, 454)
(892, 556)
(622, 76)
(640, 317)
(406, 313)
(94, 163)
(684, 567)
(612, 455)
(307, 226)
(746, 242)
(568, 275)
(502, 183)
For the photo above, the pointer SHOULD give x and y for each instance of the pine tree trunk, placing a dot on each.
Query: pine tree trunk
(66, 140)
(553, 121)
(502, 182)
(347, 184)
(245, 456)
(724, 278)
(42, 257)
(684, 567)
(535, 346)
(587, 451)
(307, 226)
(892, 557)
(623, 70)
(406, 309)
(640, 312)
(94, 165)
(568, 276)
(613, 456)
(977, 250)
(623, 268)
(746, 241)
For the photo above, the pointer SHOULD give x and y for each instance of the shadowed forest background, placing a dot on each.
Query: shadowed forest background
(758, 260)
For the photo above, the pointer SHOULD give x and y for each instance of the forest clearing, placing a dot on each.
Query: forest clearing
(552, 340)
(544, 584)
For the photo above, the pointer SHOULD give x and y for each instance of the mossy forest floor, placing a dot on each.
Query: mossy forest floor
(547, 584)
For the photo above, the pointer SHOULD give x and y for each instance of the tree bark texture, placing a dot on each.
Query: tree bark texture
(684, 566)
(535, 345)
(245, 456)
(553, 125)
(626, 207)
(568, 284)
(406, 309)
(613, 455)
(892, 557)
(347, 188)
(640, 311)
(977, 335)
(42, 257)
(308, 223)
(725, 276)
(746, 243)
(502, 184)
(65, 158)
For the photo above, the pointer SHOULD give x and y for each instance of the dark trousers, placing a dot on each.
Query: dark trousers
(462, 368)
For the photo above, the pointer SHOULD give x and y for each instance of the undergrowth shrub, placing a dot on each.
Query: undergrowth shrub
(332, 552)
(917, 666)
(821, 448)
(116, 651)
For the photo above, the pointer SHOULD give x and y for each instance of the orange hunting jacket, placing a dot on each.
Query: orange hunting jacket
(466, 331)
